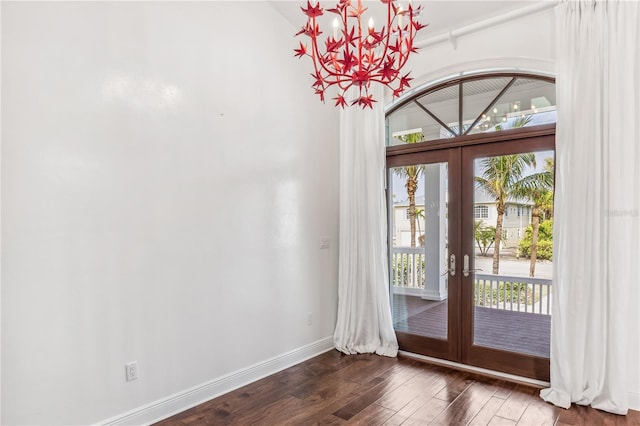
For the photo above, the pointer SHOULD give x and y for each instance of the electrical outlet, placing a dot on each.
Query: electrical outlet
(309, 318)
(131, 369)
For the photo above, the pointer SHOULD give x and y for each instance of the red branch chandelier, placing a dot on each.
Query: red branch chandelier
(357, 57)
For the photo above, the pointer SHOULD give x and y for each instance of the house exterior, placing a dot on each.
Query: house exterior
(401, 228)
(516, 219)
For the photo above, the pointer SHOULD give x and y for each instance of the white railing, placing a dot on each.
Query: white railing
(407, 267)
(522, 294)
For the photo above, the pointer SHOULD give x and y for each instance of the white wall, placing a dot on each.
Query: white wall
(527, 44)
(167, 174)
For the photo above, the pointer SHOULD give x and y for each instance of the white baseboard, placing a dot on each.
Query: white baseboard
(188, 398)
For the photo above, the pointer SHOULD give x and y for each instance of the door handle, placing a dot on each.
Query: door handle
(452, 265)
(465, 266)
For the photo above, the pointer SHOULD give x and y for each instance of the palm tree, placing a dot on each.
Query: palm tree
(420, 217)
(546, 205)
(484, 236)
(540, 195)
(411, 174)
(503, 178)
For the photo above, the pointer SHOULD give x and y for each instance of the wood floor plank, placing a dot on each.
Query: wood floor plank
(464, 408)
(331, 420)
(570, 417)
(633, 417)
(420, 386)
(338, 389)
(400, 374)
(361, 402)
(324, 384)
(312, 410)
(503, 388)
(501, 421)
(395, 420)
(270, 414)
(413, 406)
(372, 415)
(539, 413)
(458, 384)
(517, 402)
(427, 412)
(487, 412)
(370, 369)
(325, 397)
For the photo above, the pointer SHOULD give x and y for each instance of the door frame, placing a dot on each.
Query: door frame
(509, 362)
(460, 152)
(450, 348)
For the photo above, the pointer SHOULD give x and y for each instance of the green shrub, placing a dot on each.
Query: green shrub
(487, 294)
(545, 241)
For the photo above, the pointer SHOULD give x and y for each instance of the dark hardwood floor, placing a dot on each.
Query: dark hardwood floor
(333, 389)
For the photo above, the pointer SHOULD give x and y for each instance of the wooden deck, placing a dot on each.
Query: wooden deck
(495, 328)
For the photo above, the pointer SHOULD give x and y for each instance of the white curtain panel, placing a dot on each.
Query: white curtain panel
(364, 322)
(596, 233)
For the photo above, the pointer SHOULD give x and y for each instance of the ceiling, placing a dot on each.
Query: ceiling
(441, 16)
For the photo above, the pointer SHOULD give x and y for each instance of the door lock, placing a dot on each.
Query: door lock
(452, 265)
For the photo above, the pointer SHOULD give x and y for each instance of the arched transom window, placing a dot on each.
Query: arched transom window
(476, 104)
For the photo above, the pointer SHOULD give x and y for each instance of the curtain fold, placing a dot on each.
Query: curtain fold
(596, 232)
(364, 323)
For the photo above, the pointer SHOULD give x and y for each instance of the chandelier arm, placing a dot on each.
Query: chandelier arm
(380, 80)
(390, 21)
(359, 35)
(338, 76)
(317, 58)
(388, 37)
(344, 30)
(316, 51)
(402, 60)
(339, 81)
(345, 88)
(373, 62)
(314, 55)
(347, 48)
(347, 83)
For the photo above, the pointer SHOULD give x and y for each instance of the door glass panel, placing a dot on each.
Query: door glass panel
(418, 247)
(513, 217)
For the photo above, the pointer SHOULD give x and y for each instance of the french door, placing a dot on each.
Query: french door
(449, 300)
